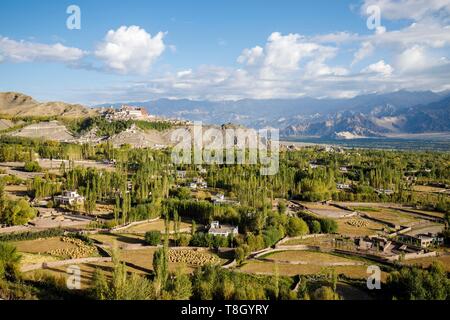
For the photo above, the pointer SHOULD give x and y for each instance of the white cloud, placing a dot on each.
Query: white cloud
(286, 52)
(184, 73)
(413, 59)
(380, 67)
(409, 9)
(24, 51)
(317, 68)
(251, 56)
(130, 49)
(284, 55)
(364, 51)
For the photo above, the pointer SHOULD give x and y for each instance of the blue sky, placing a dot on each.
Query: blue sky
(221, 49)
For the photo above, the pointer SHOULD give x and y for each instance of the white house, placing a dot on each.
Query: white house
(343, 186)
(222, 230)
(69, 198)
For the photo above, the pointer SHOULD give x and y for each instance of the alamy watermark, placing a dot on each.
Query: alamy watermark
(374, 19)
(199, 145)
(73, 281)
(374, 280)
(73, 22)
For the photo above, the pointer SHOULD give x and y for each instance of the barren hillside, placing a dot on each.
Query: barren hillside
(17, 104)
(52, 130)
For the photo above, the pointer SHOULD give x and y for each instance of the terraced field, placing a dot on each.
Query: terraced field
(158, 225)
(259, 267)
(309, 257)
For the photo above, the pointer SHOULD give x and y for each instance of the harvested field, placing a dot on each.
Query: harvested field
(258, 267)
(158, 225)
(309, 257)
(36, 258)
(87, 272)
(142, 260)
(81, 250)
(356, 227)
(394, 216)
(192, 257)
(117, 239)
(43, 245)
(326, 211)
(429, 189)
(58, 247)
(320, 241)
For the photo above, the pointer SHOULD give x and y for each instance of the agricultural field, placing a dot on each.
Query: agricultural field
(158, 225)
(394, 216)
(429, 189)
(284, 269)
(357, 227)
(54, 249)
(87, 272)
(426, 262)
(325, 241)
(310, 257)
(326, 211)
(112, 239)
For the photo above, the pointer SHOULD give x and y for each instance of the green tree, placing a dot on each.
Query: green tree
(153, 238)
(180, 287)
(9, 262)
(297, 227)
(32, 166)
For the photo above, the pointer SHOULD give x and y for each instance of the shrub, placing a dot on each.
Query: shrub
(31, 235)
(297, 227)
(271, 236)
(32, 166)
(17, 212)
(314, 226)
(9, 262)
(153, 238)
(183, 240)
(328, 226)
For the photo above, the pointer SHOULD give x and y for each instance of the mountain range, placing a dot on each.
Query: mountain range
(371, 115)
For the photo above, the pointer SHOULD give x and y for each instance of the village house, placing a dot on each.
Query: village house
(343, 186)
(216, 229)
(219, 199)
(374, 243)
(193, 185)
(387, 192)
(69, 198)
(422, 240)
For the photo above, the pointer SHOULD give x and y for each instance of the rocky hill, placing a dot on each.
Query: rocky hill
(18, 104)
